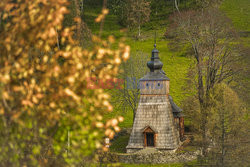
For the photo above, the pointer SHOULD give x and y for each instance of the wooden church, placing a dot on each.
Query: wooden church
(158, 121)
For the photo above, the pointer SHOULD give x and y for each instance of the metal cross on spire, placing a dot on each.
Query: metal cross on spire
(155, 39)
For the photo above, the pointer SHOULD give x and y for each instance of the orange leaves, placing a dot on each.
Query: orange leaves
(99, 125)
(52, 32)
(8, 7)
(27, 103)
(5, 78)
(1, 111)
(72, 94)
(102, 15)
(113, 123)
(125, 56)
(77, 19)
(48, 81)
(121, 119)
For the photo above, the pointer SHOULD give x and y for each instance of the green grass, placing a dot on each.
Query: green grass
(239, 12)
(152, 165)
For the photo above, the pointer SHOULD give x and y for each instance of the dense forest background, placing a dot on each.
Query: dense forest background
(204, 46)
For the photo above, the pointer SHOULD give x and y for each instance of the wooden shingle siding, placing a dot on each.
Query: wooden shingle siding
(155, 112)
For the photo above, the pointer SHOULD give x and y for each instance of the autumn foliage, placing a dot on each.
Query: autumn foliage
(47, 115)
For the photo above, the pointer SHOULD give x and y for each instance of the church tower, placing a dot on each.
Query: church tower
(154, 124)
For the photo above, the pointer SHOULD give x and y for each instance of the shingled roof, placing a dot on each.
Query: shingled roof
(177, 111)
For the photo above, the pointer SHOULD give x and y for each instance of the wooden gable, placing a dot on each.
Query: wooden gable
(148, 129)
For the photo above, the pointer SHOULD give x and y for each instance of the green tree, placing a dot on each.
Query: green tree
(210, 35)
(228, 128)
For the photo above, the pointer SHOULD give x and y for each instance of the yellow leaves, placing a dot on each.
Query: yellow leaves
(39, 95)
(17, 88)
(8, 47)
(18, 51)
(47, 48)
(111, 39)
(79, 66)
(108, 105)
(16, 115)
(66, 32)
(5, 78)
(121, 119)
(105, 11)
(7, 40)
(102, 96)
(100, 54)
(105, 103)
(8, 7)
(49, 17)
(110, 133)
(99, 117)
(1, 111)
(52, 104)
(72, 94)
(125, 56)
(27, 103)
(68, 47)
(34, 99)
(56, 71)
(66, 54)
(99, 125)
(63, 10)
(71, 80)
(77, 19)
(117, 60)
(117, 128)
(52, 32)
(6, 95)
(114, 122)
(52, 89)
(5, 15)
(102, 15)
(45, 59)
(98, 145)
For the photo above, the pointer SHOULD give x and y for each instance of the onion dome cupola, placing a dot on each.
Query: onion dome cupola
(155, 65)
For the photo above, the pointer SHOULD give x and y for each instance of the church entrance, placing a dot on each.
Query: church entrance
(150, 139)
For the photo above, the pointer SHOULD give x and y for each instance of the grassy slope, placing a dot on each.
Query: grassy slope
(239, 12)
(175, 65)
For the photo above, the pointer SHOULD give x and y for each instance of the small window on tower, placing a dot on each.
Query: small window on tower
(158, 84)
(146, 84)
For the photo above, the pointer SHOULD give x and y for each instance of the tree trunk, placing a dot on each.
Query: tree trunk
(203, 104)
(78, 14)
(222, 138)
(139, 30)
